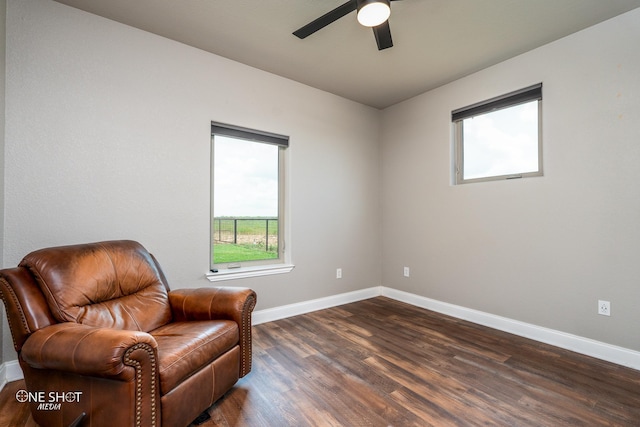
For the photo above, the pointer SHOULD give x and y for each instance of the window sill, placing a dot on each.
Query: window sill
(243, 273)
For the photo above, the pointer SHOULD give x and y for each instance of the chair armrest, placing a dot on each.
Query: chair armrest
(227, 303)
(27, 308)
(212, 303)
(86, 350)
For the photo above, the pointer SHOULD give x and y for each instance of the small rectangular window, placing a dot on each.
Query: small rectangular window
(499, 138)
(247, 197)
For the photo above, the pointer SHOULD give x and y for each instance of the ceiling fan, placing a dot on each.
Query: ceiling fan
(371, 13)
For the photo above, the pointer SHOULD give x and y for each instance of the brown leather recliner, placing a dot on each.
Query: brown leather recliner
(98, 331)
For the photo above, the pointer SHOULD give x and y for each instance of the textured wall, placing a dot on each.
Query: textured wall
(539, 250)
(108, 137)
(5, 349)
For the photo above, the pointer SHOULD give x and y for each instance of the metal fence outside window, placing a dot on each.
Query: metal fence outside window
(262, 232)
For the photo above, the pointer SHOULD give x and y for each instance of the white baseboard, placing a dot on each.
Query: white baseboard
(282, 312)
(610, 353)
(10, 371)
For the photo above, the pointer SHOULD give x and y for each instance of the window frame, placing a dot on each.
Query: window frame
(511, 99)
(281, 264)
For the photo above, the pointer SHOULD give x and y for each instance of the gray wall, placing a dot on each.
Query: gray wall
(3, 11)
(108, 137)
(539, 250)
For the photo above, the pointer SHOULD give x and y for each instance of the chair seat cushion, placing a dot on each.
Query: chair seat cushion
(186, 347)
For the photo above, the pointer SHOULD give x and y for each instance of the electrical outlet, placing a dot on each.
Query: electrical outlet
(338, 273)
(406, 272)
(604, 308)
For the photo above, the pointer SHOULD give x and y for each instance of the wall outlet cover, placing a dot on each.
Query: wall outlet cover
(604, 308)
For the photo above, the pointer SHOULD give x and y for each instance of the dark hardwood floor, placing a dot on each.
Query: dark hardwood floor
(380, 362)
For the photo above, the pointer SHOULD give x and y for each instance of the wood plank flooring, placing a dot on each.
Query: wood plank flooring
(383, 363)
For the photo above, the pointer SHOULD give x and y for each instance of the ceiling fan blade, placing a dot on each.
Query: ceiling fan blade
(383, 35)
(326, 19)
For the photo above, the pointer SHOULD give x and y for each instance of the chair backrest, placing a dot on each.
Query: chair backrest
(115, 284)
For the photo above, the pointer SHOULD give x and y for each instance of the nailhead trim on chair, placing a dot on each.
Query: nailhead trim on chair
(22, 318)
(249, 304)
(138, 367)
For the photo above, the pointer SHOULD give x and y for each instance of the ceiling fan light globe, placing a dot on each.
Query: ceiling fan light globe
(373, 13)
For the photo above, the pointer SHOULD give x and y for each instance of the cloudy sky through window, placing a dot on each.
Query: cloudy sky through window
(245, 178)
(502, 142)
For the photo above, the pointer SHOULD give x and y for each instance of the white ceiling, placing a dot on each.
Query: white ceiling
(435, 41)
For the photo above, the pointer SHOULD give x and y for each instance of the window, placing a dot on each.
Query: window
(247, 221)
(499, 138)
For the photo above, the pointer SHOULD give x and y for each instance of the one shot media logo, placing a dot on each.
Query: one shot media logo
(48, 401)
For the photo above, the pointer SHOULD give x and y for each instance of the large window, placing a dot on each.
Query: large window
(247, 198)
(499, 138)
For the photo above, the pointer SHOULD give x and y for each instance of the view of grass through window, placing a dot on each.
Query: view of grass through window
(245, 221)
(239, 239)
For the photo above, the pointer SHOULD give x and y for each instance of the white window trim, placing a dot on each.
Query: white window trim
(246, 272)
(282, 264)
